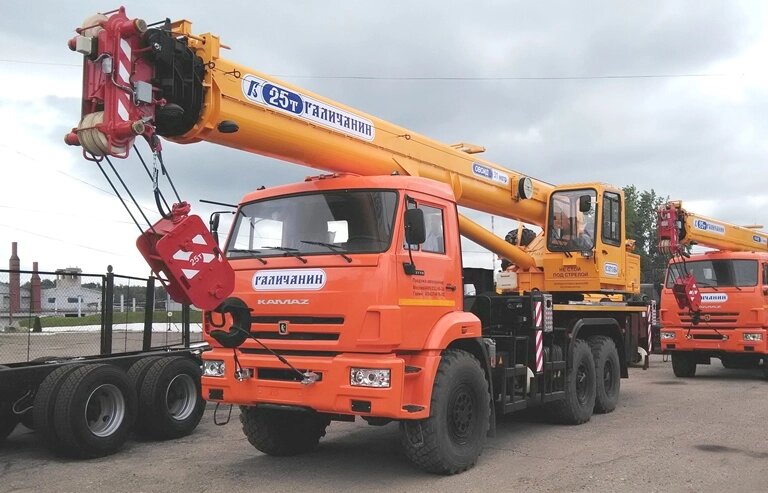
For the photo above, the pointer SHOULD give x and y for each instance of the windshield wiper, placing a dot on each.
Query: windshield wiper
(292, 252)
(707, 285)
(245, 250)
(332, 247)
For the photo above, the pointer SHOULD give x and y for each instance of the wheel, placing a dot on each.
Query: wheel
(740, 361)
(451, 439)
(138, 371)
(282, 433)
(580, 388)
(170, 400)
(95, 410)
(8, 420)
(607, 373)
(28, 420)
(683, 364)
(44, 405)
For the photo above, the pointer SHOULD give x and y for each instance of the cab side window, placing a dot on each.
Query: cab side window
(433, 219)
(611, 219)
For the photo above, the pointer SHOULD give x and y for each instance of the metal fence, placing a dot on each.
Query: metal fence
(69, 313)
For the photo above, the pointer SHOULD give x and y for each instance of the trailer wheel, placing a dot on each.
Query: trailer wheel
(170, 400)
(607, 373)
(138, 371)
(282, 433)
(44, 405)
(8, 420)
(95, 410)
(683, 364)
(580, 388)
(451, 439)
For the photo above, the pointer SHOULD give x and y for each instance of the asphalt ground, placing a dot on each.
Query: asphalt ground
(668, 434)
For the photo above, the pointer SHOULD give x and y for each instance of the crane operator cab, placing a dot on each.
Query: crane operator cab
(586, 242)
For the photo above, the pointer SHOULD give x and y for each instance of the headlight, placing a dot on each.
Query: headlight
(753, 337)
(369, 377)
(667, 335)
(213, 368)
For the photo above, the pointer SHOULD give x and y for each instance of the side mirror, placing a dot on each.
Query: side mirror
(213, 224)
(415, 229)
(585, 203)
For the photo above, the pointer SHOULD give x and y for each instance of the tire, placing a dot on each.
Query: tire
(170, 400)
(683, 364)
(28, 420)
(580, 388)
(282, 433)
(8, 420)
(607, 373)
(44, 405)
(452, 438)
(95, 410)
(740, 361)
(138, 371)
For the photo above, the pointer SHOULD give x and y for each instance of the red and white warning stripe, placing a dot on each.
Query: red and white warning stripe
(539, 351)
(651, 315)
(538, 314)
(123, 77)
(538, 321)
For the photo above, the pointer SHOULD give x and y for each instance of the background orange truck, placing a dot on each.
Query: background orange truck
(713, 304)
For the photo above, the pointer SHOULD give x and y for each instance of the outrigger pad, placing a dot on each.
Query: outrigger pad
(184, 251)
(241, 323)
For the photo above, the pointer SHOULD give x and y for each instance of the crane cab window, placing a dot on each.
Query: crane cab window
(572, 221)
(611, 218)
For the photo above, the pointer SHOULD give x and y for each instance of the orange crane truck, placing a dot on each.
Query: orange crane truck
(713, 304)
(341, 297)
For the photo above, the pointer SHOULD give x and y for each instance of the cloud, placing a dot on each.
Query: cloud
(700, 139)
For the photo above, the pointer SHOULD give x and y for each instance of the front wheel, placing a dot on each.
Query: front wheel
(451, 439)
(282, 433)
(684, 364)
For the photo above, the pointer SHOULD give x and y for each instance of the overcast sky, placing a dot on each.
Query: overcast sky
(571, 93)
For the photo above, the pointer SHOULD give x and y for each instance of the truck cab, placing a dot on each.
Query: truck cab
(731, 324)
(325, 267)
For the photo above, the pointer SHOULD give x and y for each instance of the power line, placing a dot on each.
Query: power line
(452, 78)
(62, 241)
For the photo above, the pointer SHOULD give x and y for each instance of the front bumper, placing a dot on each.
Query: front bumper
(722, 340)
(407, 397)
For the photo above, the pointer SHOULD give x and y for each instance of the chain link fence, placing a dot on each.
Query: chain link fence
(67, 313)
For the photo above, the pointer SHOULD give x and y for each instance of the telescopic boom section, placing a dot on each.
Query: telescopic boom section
(166, 81)
(679, 228)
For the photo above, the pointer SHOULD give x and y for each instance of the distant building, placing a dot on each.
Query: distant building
(69, 297)
(5, 298)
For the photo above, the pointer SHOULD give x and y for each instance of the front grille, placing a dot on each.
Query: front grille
(296, 336)
(273, 319)
(291, 352)
(725, 320)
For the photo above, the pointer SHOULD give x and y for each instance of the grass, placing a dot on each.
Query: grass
(117, 318)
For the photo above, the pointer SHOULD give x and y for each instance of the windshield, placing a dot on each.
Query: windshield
(716, 273)
(359, 221)
(569, 228)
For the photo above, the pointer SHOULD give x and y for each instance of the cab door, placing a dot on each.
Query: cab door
(432, 286)
(611, 252)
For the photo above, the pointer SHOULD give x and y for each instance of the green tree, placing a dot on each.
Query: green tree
(641, 207)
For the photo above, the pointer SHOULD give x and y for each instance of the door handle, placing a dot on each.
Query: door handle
(450, 287)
